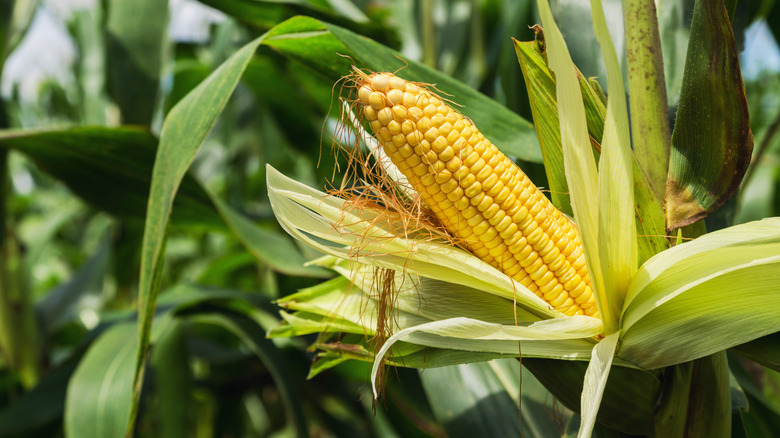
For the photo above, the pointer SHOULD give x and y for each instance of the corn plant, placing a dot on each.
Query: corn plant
(554, 259)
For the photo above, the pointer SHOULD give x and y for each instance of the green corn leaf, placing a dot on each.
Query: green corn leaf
(135, 32)
(264, 14)
(62, 304)
(268, 247)
(629, 399)
(481, 399)
(331, 50)
(184, 130)
(470, 400)
(110, 169)
(765, 351)
(15, 18)
(253, 337)
(36, 411)
(760, 415)
(712, 141)
(98, 401)
(99, 394)
(173, 381)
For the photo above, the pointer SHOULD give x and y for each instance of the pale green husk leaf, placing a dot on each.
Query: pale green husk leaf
(564, 349)
(435, 314)
(704, 296)
(304, 323)
(460, 328)
(579, 163)
(434, 299)
(365, 235)
(352, 299)
(443, 297)
(617, 226)
(595, 381)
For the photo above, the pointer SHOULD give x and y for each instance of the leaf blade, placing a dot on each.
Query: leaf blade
(184, 130)
(682, 303)
(135, 34)
(316, 43)
(595, 381)
(253, 336)
(617, 229)
(580, 166)
(267, 246)
(712, 142)
(98, 401)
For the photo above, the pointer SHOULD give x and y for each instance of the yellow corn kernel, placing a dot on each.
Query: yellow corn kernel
(478, 193)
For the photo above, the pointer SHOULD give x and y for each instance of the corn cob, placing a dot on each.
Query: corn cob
(478, 193)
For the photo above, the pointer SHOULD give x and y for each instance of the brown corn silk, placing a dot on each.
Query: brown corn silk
(478, 194)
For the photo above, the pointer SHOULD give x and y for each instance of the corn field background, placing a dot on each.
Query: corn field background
(90, 89)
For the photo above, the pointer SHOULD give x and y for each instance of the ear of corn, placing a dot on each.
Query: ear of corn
(478, 193)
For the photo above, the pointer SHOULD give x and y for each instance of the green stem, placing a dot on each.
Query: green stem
(696, 399)
(647, 92)
(6, 336)
(18, 326)
(670, 418)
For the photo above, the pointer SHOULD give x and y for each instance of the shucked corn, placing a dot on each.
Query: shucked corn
(478, 193)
